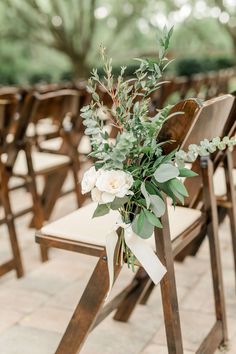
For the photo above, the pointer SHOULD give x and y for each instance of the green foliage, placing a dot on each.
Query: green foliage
(165, 172)
(136, 149)
(142, 226)
(102, 209)
(205, 148)
(190, 66)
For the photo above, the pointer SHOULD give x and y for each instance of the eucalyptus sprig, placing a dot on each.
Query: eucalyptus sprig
(204, 148)
(131, 173)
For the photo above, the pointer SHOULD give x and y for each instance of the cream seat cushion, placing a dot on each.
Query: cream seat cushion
(44, 127)
(54, 144)
(42, 162)
(79, 226)
(220, 183)
(84, 147)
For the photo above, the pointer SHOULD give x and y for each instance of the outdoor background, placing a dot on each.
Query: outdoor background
(56, 40)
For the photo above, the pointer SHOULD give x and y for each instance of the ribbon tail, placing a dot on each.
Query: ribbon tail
(111, 242)
(145, 255)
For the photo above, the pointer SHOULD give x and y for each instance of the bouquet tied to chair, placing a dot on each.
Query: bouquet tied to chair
(131, 173)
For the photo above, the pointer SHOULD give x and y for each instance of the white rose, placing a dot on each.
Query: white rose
(89, 180)
(96, 195)
(114, 184)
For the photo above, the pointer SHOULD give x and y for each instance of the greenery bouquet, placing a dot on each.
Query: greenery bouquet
(131, 174)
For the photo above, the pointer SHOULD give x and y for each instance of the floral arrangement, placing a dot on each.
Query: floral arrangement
(131, 174)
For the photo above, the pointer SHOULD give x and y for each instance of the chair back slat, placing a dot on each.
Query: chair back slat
(8, 113)
(215, 118)
(177, 127)
(55, 105)
(195, 122)
(211, 120)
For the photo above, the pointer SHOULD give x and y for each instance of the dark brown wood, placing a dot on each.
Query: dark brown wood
(114, 303)
(82, 322)
(212, 340)
(37, 208)
(212, 233)
(127, 306)
(230, 203)
(10, 222)
(7, 267)
(68, 245)
(88, 309)
(7, 114)
(168, 288)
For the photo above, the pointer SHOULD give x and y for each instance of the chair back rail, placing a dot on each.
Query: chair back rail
(215, 119)
(198, 121)
(8, 116)
(54, 105)
(36, 106)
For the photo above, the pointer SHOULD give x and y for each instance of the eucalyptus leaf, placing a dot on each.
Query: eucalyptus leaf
(153, 219)
(141, 226)
(186, 172)
(145, 194)
(178, 186)
(157, 205)
(165, 172)
(118, 203)
(102, 209)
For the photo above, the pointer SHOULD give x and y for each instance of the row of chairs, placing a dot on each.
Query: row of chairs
(22, 161)
(183, 228)
(203, 85)
(41, 134)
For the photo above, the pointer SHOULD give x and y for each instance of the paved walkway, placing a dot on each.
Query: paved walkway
(35, 310)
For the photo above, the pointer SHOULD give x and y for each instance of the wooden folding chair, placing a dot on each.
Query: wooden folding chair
(7, 114)
(224, 186)
(202, 197)
(62, 107)
(23, 161)
(78, 232)
(49, 112)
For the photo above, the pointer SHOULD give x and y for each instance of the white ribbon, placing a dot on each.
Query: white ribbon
(140, 248)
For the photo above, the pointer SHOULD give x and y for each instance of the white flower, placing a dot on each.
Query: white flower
(113, 184)
(89, 180)
(96, 195)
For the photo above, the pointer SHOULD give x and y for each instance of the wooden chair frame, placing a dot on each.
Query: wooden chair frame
(89, 311)
(7, 112)
(22, 143)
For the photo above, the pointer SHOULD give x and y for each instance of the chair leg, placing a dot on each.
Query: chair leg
(87, 310)
(37, 208)
(168, 289)
(52, 191)
(10, 223)
(75, 167)
(147, 294)
(212, 232)
(231, 197)
(127, 306)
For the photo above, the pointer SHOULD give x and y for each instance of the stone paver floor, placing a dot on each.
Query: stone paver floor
(35, 310)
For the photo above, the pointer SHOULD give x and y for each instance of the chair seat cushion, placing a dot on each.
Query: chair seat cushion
(80, 227)
(42, 162)
(42, 128)
(220, 182)
(54, 144)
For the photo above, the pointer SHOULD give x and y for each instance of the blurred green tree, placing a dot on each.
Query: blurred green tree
(42, 38)
(69, 26)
